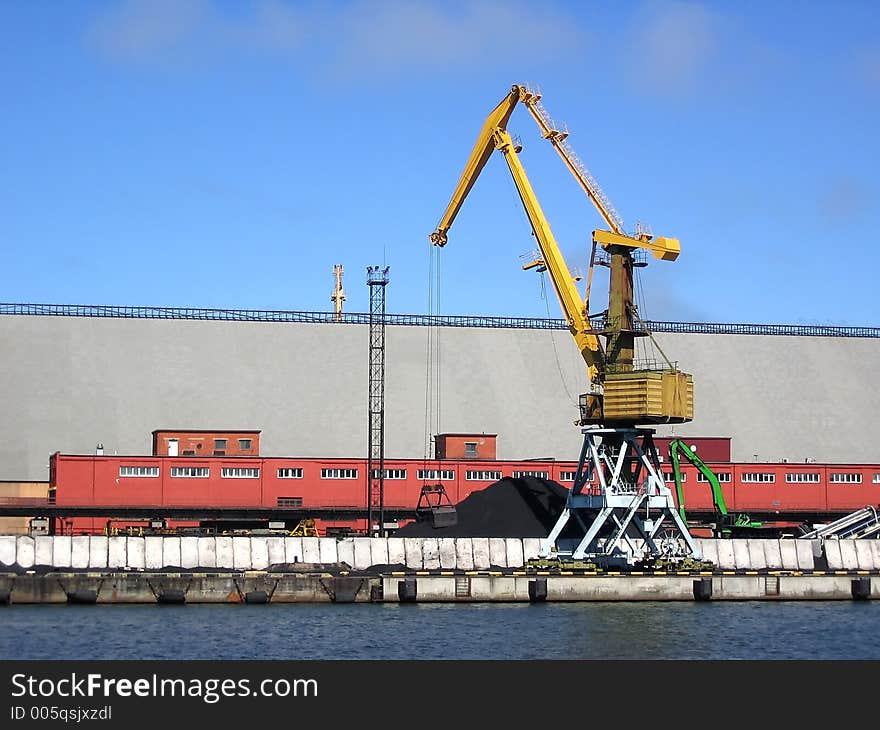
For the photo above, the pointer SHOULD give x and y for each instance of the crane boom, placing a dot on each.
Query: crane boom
(494, 136)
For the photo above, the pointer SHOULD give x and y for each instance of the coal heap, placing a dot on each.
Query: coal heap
(523, 507)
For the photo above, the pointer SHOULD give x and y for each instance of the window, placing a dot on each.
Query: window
(290, 501)
(435, 474)
(722, 476)
(138, 471)
(189, 452)
(470, 449)
(754, 477)
(567, 476)
(669, 476)
(245, 444)
(219, 444)
(538, 474)
(846, 477)
(339, 473)
(876, 478)
(482, 476)
(290, 472)
(390, 474)
(801, 478)
(240, 472)
(190, 471)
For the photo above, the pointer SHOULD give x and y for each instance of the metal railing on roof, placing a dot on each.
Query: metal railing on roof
(418, 320)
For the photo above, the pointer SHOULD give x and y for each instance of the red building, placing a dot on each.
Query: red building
(763, 490)
(465, 445)
(206, 443)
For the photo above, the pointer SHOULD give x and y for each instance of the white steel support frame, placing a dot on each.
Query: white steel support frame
(628, 515)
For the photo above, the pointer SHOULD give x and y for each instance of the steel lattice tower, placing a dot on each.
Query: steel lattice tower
(377, 279)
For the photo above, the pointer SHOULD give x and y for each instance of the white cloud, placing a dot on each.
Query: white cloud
(354, 39)
(671, 45)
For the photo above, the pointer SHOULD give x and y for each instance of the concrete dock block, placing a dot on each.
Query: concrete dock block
(875, 549)
(447, 553)
(362, 554)
(833, 555)
(43, 550)
(327, 550)
(293, 549)
(171, 552)
(189, 552)
(25, 551)
(117, 555)
(379, 551)
(79, 551)
(224, 552)
(498, 552)
(726, 559)
(7, 550)
(396, 551)
(773, 554)
(741, 557)
(757, 553)
(99, 552)
(531, 548)
(153, 559)
(709, 550)
(464, 553)
(431, 553)
(311, 550)
(135, 552)
(259, 553)
(275, 550)
(481, 553)
(241, 553)
(848, 554)
(864, 555)
(515, 557)
(345, 551)
(207, 557)
(805, 552)
(788, 551)
(413, 548)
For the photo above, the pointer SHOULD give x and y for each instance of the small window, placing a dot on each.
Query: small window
(537, 474)
(190, 471)
(482, 476)
(138, 471)
(290, 473)
(339, 473)
(240, 472)
(753, 477)
(245, 444)
(470, 449)
(846, 477)
(567, 476)
(436, 474)
(721, 476)
(389, 474)
(802, 478)
(290, 501)
(876, 478)
(669, 476)
(219, 445)
(189, 452)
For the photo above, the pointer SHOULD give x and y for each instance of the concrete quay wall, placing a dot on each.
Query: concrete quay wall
(412, 553)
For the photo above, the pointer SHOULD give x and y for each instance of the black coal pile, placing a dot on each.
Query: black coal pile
(523, 507)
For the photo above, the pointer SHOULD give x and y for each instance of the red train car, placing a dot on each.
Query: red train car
(774, 491)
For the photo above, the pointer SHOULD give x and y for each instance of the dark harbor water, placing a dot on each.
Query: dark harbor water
(719, 630)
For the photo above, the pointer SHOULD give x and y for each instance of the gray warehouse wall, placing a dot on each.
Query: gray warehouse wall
(68, 383)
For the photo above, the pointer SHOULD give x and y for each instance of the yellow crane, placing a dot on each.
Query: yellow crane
(619, 392)
(619, 507)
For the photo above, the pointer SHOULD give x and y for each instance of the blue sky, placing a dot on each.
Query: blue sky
(228, 154)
